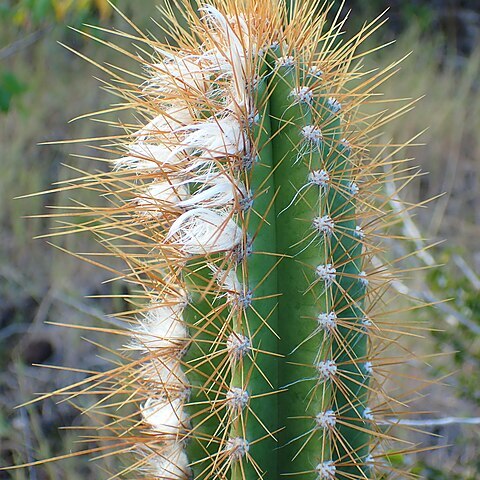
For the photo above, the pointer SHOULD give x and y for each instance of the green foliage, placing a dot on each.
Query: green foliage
(464, 297)
(10, 87)
(34, 13)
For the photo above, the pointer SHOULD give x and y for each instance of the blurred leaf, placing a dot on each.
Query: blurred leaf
(395, 459)
(104, 8)
(41, 10)
(10, 86)
(61, 8)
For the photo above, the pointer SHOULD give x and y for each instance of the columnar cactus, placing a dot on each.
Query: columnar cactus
(246, 204)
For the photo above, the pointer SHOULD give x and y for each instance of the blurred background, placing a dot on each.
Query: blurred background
(43, 86)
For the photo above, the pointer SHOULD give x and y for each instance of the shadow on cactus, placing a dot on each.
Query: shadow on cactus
(247, 203)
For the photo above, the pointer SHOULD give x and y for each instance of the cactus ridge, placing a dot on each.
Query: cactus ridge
(249, 211)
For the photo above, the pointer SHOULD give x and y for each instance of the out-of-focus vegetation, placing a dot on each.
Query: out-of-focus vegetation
(43, 86)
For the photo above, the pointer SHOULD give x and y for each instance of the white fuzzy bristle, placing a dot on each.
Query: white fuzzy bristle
(171, 462)
(147, 156)
(359, 233)
(237, 448)
(213, 139)
(366, 323)
(353, 188)
(161, 328)
(319, 177)
(326, 273)
(287, 61)
(164, 375)
(334, 105)
(238, 345)
(362, 278)
(324, 225)
(158, 196)
(326, 470)
(312, 134)
(237, 398)
(368, 368)
(302, 95)
(326, 420)
(327, 321)
(165, 416)
(326, 369)
(367, 414)
(203, 231)
(315, 71)
(173, 118)
(216, 191)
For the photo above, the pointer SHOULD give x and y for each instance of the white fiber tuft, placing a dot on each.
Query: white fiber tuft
(315, 71)
(232, 48)
(326, 470)
(238, 345)
(302, 95)
(166, 375)
(326, 273)
(312, 134)
(212, 139)
(367, 414)
(362, 278)
(326, 420)
(327, 321)
(202, 231)
(179, 73)
(237, 398)
(237, 448)
(165, 416)
(158, 196)
(327, 369)
(146, 156)
(216, 191)
(319, 177)
(161, 328)
(353, 188)
(359, 233)
(368, 368)
(324, 225)
(334, 105)
(173, 118)
(287, 61)
(171, 463)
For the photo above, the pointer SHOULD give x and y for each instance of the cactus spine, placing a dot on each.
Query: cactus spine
(238, 206)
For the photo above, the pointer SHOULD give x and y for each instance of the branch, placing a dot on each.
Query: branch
(433, 422)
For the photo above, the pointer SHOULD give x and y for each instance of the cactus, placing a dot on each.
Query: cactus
(247, 206)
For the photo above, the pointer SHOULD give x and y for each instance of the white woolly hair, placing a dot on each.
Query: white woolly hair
(232, 48)
(162, 328)
(179, 72)
(159, 196)
(171, 463)
(164, 375)
(227, 280)
(172, 118)
(217, 190)
(166, 416)
(203, 231)
(147, 156)
(212, 139)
